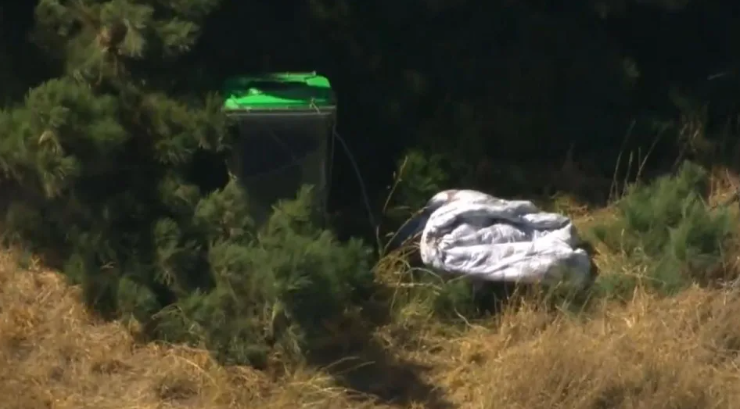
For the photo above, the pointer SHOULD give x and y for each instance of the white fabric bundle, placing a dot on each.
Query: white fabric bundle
(474, 234)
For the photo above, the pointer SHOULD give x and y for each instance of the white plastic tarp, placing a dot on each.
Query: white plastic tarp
(466, 232)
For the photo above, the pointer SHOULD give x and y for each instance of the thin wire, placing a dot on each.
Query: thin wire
(365, 197)
(355, 167)
(330, 166)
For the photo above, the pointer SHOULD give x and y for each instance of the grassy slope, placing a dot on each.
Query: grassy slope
(652, 352)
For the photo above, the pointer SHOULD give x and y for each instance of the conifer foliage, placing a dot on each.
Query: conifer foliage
(668, 229)
(101, 163)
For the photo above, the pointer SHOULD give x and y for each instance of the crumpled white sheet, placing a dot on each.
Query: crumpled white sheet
(474, 234)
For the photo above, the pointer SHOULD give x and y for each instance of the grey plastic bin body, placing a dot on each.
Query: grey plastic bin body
(278, 152)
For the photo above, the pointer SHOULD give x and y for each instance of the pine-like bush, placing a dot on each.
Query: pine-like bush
(278, 285)
(668, 227)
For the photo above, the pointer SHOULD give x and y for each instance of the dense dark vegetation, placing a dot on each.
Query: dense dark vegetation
(108, 146)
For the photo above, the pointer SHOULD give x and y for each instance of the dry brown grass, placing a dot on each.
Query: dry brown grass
(650, 353)
(54, 354)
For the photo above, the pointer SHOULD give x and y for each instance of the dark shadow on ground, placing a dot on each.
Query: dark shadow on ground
(363, 363)
(375, 373)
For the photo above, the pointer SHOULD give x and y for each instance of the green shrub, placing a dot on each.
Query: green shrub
(667, 229)
(278, 285)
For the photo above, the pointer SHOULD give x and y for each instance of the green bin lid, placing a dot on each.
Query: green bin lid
(279, 91)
